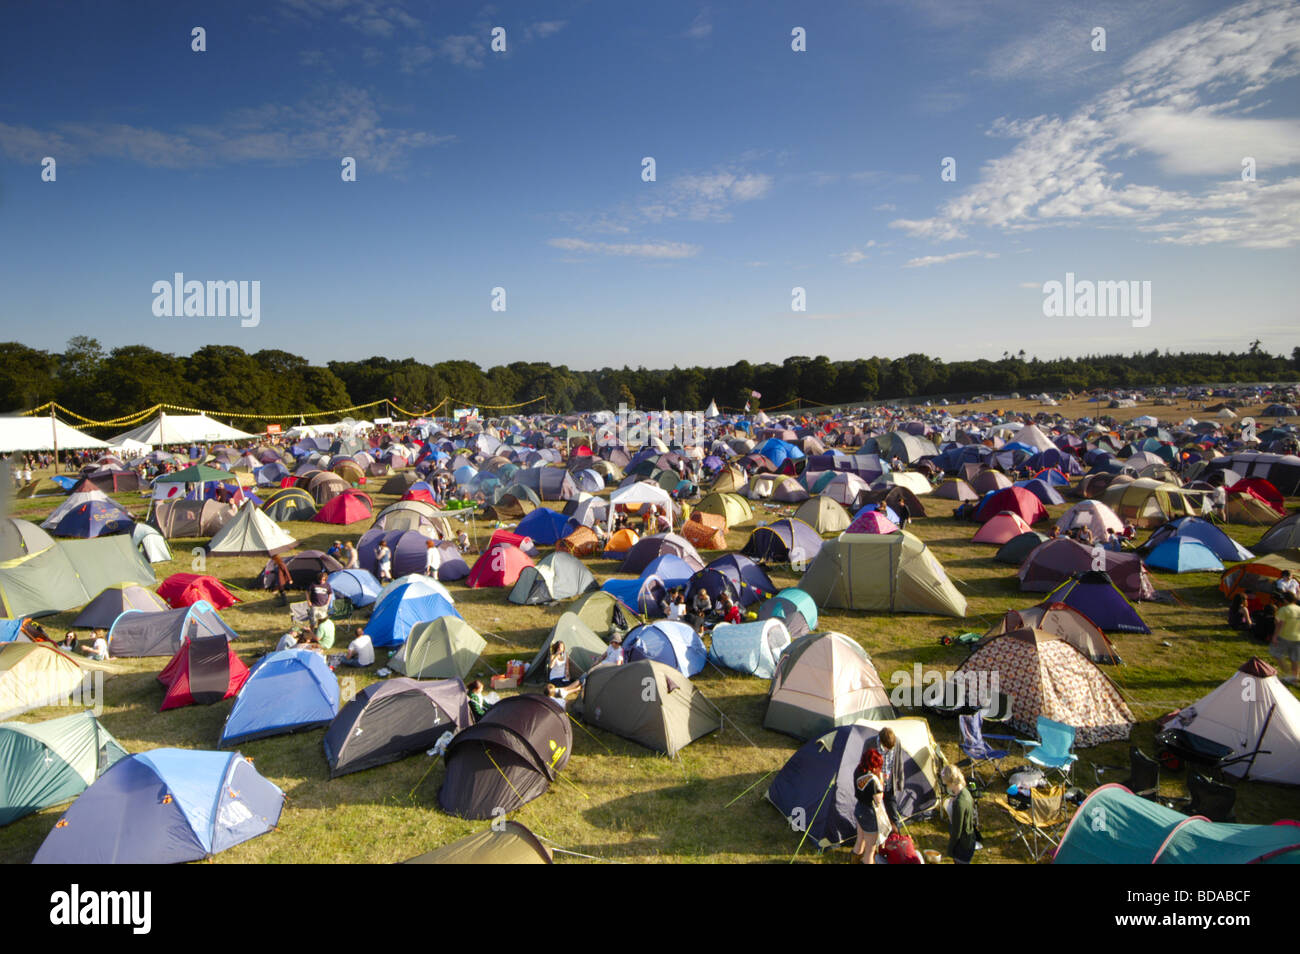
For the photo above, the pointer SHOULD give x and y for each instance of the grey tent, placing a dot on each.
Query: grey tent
(250, 533)
(1020, 546)
(390, 720)
(151, 543)
(101, 612)
(68, 574)
(1281, 537)
(19, 538)
(675, 714)
(824, 680)
(137, 633)
(443, 648)
(556, 576)
(584, 647)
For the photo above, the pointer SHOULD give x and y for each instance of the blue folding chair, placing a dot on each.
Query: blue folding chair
(974, 743)
(1052, 751)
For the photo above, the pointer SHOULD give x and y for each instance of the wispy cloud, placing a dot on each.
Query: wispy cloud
(927, 260)
(658, 250)
(701, 27)
(1175, 106)
(346, 122)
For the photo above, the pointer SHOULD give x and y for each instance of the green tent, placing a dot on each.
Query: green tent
(507, 844)
(444, 648)
(734, 508)
(196, 474)
(70, 574)
(45, 763)
(584, 647)
(604, 613)
(650, 703)
(886, 572)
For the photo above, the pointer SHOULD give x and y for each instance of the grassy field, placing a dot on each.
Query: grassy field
(618, 801)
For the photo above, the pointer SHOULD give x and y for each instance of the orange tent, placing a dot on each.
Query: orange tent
(621, 541)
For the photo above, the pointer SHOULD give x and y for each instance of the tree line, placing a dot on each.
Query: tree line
(105, 384)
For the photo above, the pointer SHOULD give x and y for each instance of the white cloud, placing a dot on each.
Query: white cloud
(657, 250)
(1174, 106)
(701, 26)
(927, 260)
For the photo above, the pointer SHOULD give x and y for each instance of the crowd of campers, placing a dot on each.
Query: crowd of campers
(533, 506)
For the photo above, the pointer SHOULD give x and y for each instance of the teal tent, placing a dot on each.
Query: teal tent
(45, 763)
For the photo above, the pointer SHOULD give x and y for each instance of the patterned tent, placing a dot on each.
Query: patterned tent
(1044, 675)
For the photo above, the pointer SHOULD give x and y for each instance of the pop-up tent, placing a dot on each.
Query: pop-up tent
(45, 763)
(390, 720)
(165, 806)
(751, 648)
(507, 758)
(104, 609)
(671, 643)
(892, 572)
(204, 670)
(556, 576)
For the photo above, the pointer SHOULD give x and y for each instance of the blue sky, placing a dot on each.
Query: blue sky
(774, 169)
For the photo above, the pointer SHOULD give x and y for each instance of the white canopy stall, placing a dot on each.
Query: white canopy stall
(642, 492)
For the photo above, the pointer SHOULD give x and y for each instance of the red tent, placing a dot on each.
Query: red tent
(1262, 489)
(186, 589)
(499, 566)
(351, 506)
(1015, 500)
(515, 540)
(203, 671)
(420, 494)
(1000, 529)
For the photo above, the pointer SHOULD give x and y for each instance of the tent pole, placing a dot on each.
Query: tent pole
(54, 430)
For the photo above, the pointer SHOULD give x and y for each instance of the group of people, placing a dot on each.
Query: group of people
(876, 808)
(564, 679)
(703, 612)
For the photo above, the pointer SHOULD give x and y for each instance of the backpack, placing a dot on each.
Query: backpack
(899, 849)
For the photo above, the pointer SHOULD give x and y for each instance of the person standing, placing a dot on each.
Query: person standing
(1286, 637)
(319, 597)
(384, 562)
(432, 558)
(962, 840)
(873, 821)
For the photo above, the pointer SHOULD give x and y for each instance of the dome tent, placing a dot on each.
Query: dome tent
(583, 646)
(817, 781)
(165, 806)
(444, 648)
(507, 843)
(390, 720)
(676, 714)
(164, 632)
(556, 576)
(1046, 676)
(824, 680)
(204, 670)
(286, 691)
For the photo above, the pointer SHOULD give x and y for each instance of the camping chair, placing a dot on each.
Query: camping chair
(340, 608)
(974, 743)
(1053, 751)
(1143, 774)
(1039, 825)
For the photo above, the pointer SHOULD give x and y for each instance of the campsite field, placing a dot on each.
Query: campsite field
(618, 801)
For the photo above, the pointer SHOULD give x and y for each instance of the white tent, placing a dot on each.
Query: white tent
(1031, 436)
(128, 447)
(1253, 714)
(182, 429)
(250, 533)
(642, 492)
(712, 410)
(38, 434)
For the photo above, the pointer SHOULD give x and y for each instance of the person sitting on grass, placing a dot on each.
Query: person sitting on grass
(98, 648)
(474, 692)
(325, 633)
(289, 640)
(361, 651)
(560, 694)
